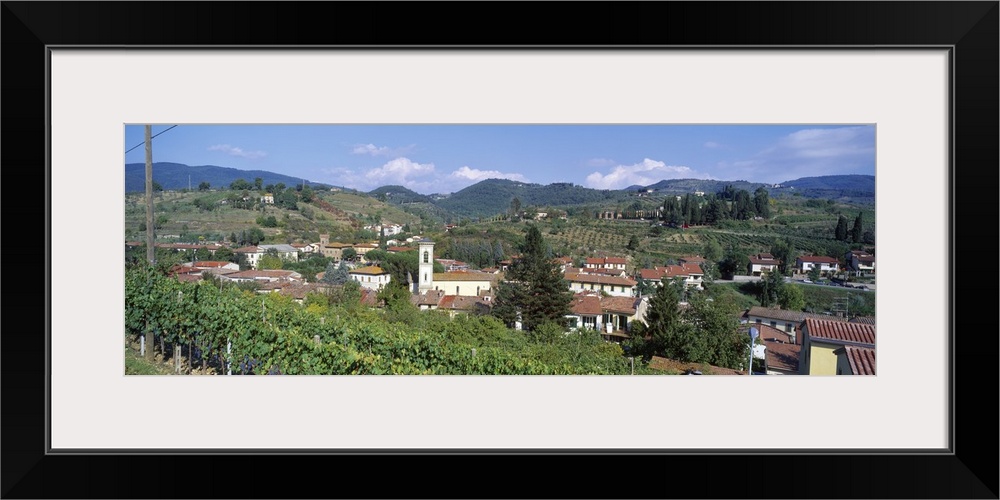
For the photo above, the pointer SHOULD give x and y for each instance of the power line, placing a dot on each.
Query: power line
(151, 138)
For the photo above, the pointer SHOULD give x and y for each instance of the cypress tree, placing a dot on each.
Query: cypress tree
(841, 231)
(858, 230)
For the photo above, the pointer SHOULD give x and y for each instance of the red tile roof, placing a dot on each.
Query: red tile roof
(867, 320)
(782, 356)
(839, 331)
(248, 249)
(768, 332)
(586, 305)
(430, 298)
(188, 277)
(818, 259)
(462, 303)
(264, 273)
(680, 270)
(626, 305)
(212, 263)
(599, 279)
(861, 359)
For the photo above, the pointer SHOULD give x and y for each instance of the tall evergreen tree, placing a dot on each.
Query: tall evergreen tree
(841, 232)
(336, 275)
(669, 334)
(761, 203)
(534, 289)
(858, 230)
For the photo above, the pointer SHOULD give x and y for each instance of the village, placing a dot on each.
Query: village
(607, 294)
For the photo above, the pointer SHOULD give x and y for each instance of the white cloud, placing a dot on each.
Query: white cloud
(235, 151)
(643, 174)
(600, 162)
(400, 171)
(369, 149)
(476, 175)
(712, 145)
(828, 143)
(373, 150)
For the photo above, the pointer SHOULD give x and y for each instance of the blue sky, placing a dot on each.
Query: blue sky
(446, 158)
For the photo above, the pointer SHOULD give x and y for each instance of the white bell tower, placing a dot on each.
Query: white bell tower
(425, 264)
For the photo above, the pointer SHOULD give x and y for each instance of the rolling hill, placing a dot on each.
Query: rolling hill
(493, 196)
(176, 176)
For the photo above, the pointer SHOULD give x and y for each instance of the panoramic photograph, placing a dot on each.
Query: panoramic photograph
(537, 249)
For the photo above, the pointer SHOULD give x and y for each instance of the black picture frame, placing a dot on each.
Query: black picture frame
(969, 28)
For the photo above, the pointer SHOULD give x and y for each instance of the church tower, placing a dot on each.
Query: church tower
(425, 264)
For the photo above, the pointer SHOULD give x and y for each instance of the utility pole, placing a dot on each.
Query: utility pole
(150, 253)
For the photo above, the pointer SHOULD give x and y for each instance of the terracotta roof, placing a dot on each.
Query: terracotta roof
(818, 258)
(660, 363)
(188, 277)
(625, 305)
(275, 285)
(768, 332)
(212, 263)
(462, 303)
(265, 273)
(682, 270)
(615, 260)
(754, 259)
(373, 270)
(774, 313)
(861, 359)
(599, 279)
(782, 356)
(586, 305)
(867, 320)
(220, 271)
(179, 269)
(247, 249)
(430, 298)
(369, 297)
(787, 315)
(840, 331)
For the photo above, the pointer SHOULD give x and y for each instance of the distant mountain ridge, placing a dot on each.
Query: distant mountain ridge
(863, 183)
(178, 176)
(493, 196)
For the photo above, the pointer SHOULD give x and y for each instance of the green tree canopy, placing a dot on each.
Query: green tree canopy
(841, 232)
(858, 230)
(534, 289)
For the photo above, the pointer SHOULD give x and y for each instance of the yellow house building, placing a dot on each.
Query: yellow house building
(466, 283)
(821, 339)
